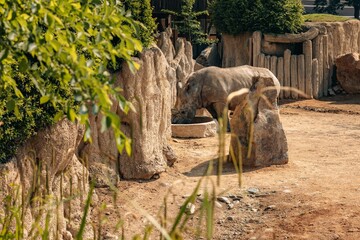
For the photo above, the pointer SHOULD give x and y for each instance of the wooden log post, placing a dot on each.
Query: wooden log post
(318, 51)
(315, 77)
(261, 61)
(280, 74)
(307, 50)
(250, 53)
(287, 72)
(256, 47)
(293, 77)
(273, 65)
(326, 66)
(331, 58)
(267, 62)
(301, 73)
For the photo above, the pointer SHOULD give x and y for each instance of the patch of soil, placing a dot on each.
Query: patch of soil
(315, 196)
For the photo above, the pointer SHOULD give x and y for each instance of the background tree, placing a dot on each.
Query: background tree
(332, 6)
(275, 16)
(53, 61)
(141, 11)
(188, 24)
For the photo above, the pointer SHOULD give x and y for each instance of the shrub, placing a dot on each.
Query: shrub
(281, 16)
(31, 116)
(54, 53)
(186, 21)
(275, 16)
(141, 11)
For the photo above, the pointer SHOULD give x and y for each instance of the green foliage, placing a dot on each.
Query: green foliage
(187, 24)
(62, 48)
(317, 17)
(269, 16)
(30, 115)
(141, 11)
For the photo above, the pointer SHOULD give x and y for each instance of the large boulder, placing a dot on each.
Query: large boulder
(258, 138)
(47, 176)
(150, 125)
(348, 72)
(180, 59)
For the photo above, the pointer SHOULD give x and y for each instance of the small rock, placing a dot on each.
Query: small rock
(220, 222)
(224, 200)
(217, 204)
(230, 218)
(186, 196)
(254, 210)
(236, 202)
(287, 191)
(271, 207)
(190, 209)
(175, 140)
(237, 199)
(232, 196)
(253, 190)
(110, 236)
(156, 176)
(230, 206)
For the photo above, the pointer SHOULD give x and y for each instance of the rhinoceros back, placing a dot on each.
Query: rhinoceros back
(218, 83)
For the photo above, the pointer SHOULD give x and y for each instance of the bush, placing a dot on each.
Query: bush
(269, 16)
(31, 116)
(141, 11)
(54, 53)
(186, 21)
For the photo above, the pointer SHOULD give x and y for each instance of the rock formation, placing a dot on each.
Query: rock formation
(179, 58)
(258, 138)
(209, 56)
(46, 176)
(152, 91)
(149, 127)
(348, 72)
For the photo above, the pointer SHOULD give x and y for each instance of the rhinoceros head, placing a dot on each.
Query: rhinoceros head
(189, 99)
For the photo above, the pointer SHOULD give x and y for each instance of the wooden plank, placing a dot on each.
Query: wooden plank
(280, 74)
(287, 71)
(301, 73)
(307, 50)
(293, 76)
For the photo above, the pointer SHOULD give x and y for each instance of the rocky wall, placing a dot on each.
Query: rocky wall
(46, 176)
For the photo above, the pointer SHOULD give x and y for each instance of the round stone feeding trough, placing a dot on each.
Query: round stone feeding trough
(200, 127)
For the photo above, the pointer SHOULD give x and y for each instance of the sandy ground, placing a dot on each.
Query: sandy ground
(315, 196)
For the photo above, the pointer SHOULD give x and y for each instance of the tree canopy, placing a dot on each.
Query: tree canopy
(270, 16)
(57, 51)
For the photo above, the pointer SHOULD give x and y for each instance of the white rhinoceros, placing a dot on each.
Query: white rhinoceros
(209, 88)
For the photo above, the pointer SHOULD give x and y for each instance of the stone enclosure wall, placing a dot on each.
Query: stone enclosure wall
(304, 61)
(56, 164)
(152, 91)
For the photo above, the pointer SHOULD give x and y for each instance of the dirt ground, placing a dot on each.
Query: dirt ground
(315, 196)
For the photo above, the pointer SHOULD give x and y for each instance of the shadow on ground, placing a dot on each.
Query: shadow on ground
(228, 168)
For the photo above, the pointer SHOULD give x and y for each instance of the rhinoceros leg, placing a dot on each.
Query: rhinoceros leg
(217, 110)
(212, 111)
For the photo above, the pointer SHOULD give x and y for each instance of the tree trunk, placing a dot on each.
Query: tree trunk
(356, 10)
